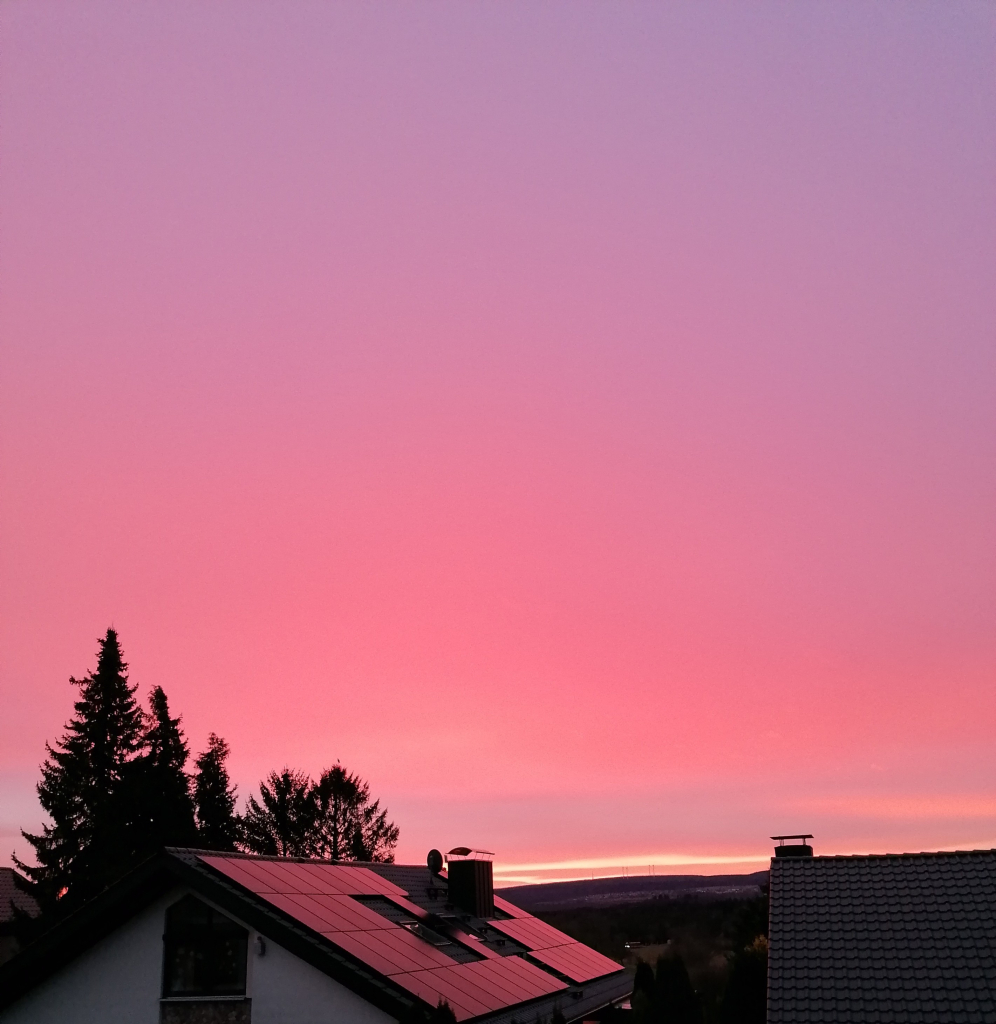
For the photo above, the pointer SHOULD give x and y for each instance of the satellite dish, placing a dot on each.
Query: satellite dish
(435, 861)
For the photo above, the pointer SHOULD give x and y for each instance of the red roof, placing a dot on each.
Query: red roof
(328, 899)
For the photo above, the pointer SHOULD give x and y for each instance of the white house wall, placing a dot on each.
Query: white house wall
(120, 980)
(286, 990)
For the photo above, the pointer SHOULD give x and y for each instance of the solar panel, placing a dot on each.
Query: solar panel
(483, 986)
(391, 951)
(372, 919)
(509, 908)
(240, 871)
(304, 877)
(531, 932)
(529, 977)
(303, 880)
(428, 986)
(328, 913)
(577, 962)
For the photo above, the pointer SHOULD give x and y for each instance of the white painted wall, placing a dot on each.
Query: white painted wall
(120, 980)
(286, 990)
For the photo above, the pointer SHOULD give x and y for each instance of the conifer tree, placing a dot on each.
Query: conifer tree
(349, 826)
(418, 1014)
(332, 818)
(283, 824)
(677, 1002)
(156, 800)
(745, 998)
(217, 823)
(643, 980)
(81, 851)
(443, 1013)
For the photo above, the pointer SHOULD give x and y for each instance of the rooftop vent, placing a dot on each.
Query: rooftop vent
(471, 881)
(800, 849)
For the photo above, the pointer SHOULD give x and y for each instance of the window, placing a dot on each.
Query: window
(205, 952)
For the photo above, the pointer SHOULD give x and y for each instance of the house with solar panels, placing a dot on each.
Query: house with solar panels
(193, 937)
(892, 937)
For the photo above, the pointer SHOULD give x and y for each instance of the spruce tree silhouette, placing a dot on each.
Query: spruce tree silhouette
(418, 1014)
(644, 1000)
(676, 999)
(442, 1014)
(745, 1000)
(348, 826)
(156, 802)
(83, 849)
(214, 796)
(643, 980)
(283, 823)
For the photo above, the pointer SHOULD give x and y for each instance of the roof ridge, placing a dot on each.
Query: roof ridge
(242, 855)
(884, 856)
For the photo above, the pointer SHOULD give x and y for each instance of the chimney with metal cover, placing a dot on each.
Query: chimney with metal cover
(802, 849)
(471, 881)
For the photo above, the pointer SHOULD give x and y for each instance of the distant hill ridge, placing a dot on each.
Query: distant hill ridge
(608, 892)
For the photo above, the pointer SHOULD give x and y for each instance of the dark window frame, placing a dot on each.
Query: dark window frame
(205, 952)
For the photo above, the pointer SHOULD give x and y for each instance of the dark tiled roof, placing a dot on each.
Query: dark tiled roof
(9, 892)
(910, 937)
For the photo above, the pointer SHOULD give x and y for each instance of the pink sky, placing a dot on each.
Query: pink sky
(578, 418)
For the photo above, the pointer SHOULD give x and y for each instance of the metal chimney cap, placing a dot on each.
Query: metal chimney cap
(800, 849)
(466, 853)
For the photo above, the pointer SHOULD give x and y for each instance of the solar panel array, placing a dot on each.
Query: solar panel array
(328, 899)
(555, 949)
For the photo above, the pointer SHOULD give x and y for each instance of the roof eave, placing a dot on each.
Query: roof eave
(575, 1003)
(95, 920)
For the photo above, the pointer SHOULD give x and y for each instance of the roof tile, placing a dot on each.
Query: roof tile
(887, 938)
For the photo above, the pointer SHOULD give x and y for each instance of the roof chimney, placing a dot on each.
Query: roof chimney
(471, 881)
(800, 849)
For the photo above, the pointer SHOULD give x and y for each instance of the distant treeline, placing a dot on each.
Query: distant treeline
(705, 961)
(117, 790)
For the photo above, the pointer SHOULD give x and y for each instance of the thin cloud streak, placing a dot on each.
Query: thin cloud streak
(648, 864)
